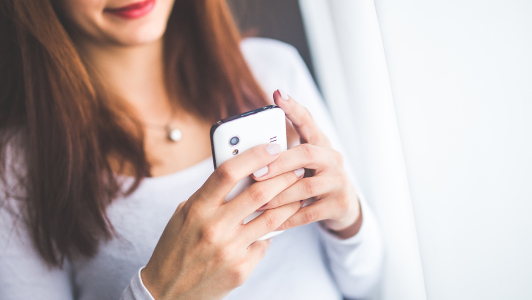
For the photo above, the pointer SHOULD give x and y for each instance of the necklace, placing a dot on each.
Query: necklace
(173, 134)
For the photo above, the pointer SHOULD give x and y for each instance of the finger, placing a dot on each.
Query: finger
(228, 174)
(302, 120)
(256, 251)
(259, 194)
(269, 221)
(317, 211)
(304, 189)
(303, 156)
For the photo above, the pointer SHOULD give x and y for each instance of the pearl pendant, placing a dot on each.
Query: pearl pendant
(174, 134)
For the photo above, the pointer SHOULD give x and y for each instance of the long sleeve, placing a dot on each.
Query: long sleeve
(355, 262)
(23, 273)
(136, 289)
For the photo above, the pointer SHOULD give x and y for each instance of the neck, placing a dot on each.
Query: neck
(134, 74)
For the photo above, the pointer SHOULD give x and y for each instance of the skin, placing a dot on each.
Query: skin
(205, 250)
(336, 206)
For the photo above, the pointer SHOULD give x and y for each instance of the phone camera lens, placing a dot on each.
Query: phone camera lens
(234, 141)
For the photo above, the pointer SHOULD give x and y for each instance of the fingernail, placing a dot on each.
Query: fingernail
(284, 95)
(299, 172)
(273, 149)
(261, 172)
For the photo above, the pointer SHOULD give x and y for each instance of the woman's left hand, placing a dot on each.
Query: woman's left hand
(336, 205)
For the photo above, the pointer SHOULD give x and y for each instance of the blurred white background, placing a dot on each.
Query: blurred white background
(434, 100)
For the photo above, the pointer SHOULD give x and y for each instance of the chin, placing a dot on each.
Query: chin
(138, 31)
(137, 35)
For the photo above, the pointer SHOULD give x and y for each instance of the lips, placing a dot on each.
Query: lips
(132, 11)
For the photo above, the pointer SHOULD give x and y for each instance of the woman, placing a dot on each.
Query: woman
(102, 200)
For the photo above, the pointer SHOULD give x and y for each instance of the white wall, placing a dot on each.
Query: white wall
(461, 76)
(460, 84)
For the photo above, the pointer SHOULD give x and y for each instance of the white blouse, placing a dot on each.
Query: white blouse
(305, 262)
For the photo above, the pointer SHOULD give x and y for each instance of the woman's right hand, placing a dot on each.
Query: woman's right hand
(205, 250)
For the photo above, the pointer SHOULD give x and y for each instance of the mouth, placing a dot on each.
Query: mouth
(132, 11)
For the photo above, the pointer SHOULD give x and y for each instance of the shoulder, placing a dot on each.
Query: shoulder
(275, 64)
(263, 49)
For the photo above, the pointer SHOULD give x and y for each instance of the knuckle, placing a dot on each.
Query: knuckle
(310, 216)
(258, 152)
(277, 200)
(210, 233)
(343, 204)
(341, 179)
(223, 255)
(239, 275)
(289, 177)
(272, 221)
(181, 206)
(311, 187)
(279, 163)
(258, 194)
(226, 174)
(194, 211)
(309, 151)
(287, 224)
(180, 209)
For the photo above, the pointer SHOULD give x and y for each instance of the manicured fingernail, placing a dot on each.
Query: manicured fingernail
(284, 95)
(273, 149)
(261, 172)
(299, 172)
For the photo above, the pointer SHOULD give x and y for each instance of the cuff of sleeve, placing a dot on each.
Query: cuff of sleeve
(136, 289)
(355, 262)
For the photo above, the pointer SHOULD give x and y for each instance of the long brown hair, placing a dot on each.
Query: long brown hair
(70, 128)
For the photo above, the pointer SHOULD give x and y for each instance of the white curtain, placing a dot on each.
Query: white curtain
(459, 124)
(350, 65)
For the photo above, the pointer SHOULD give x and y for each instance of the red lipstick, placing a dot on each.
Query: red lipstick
(132, 11)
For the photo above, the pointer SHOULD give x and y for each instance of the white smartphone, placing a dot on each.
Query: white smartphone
(234, 135)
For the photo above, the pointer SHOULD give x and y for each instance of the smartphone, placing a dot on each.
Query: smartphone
(234, 135)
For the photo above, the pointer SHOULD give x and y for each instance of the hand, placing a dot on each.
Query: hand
(205, 250)
(336, 205)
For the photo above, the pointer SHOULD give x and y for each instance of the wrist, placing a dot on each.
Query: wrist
(153, 283)
(349, 230)
(146, 282)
